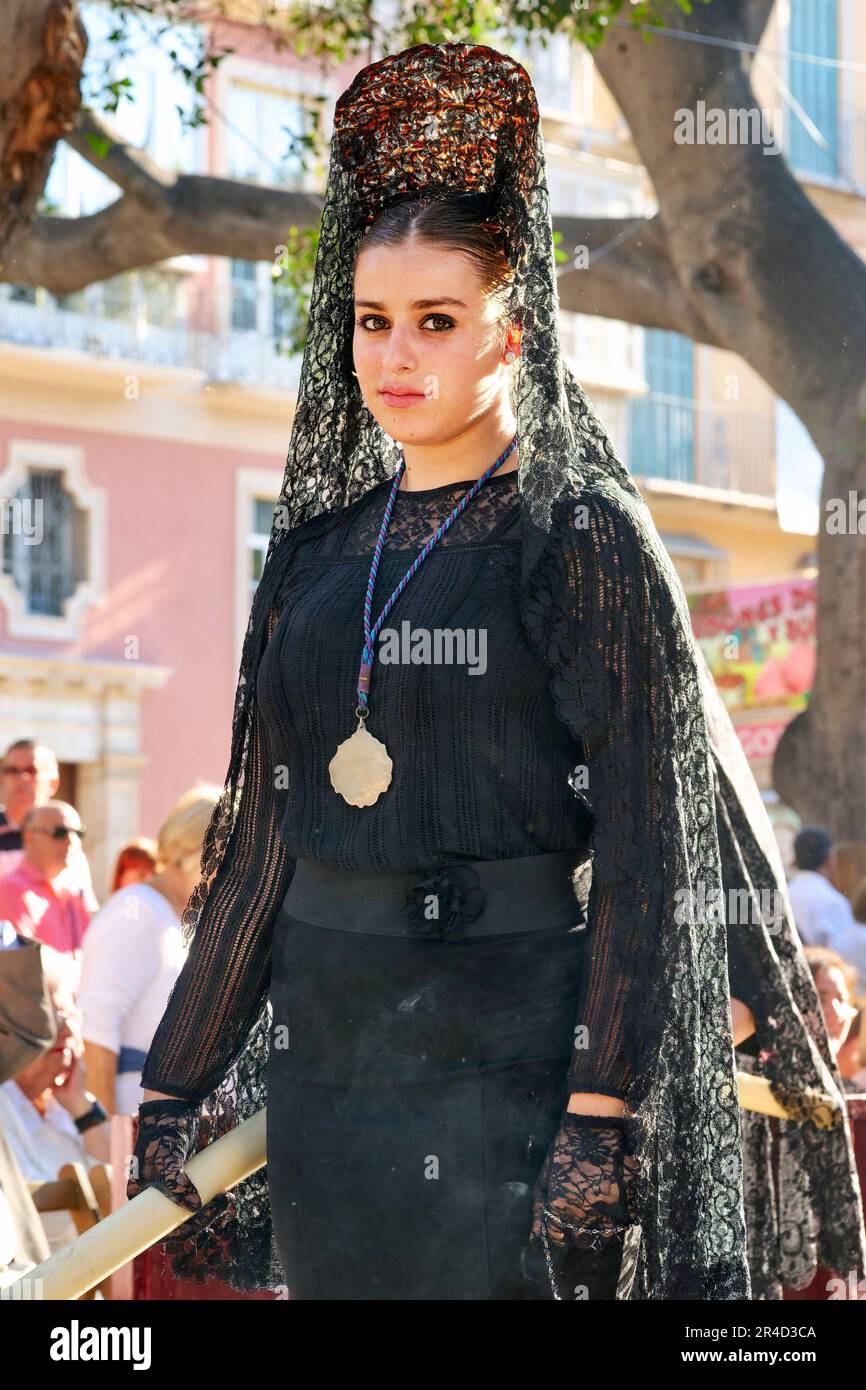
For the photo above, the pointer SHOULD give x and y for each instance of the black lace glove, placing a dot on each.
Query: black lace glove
(194, 1258)
(168, 1135)
(584, 1202)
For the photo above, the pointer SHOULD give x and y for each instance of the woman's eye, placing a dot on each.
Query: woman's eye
(365, 320)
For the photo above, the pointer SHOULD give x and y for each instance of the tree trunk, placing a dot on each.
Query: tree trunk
(40, 75)
(820, 763)
(771, 280)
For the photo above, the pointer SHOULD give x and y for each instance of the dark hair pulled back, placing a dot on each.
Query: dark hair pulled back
(464, 222)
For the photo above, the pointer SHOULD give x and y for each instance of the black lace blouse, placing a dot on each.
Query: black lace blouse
(481, 759)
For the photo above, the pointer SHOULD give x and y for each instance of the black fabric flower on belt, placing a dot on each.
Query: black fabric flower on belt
(439, 907)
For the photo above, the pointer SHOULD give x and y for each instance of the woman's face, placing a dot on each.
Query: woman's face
(836, 1003)
(445, 351)
(135, 872)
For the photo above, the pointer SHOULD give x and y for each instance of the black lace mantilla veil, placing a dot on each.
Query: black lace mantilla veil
(814, 1216)
(603, 606)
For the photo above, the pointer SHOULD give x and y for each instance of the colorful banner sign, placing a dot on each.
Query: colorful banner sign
(759, 641)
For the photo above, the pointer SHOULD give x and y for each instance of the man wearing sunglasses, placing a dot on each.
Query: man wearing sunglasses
(30, 776)
(36, 896)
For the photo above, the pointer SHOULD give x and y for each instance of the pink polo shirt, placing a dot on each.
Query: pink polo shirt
(46, 911)
(75, 875)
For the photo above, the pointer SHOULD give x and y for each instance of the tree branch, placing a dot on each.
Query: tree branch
(193, 216)
(130, 169)
(41, 60)
(160, 215)
(633, 280)
(739, 230)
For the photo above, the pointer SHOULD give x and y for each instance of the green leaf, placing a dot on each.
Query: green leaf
(100, 144)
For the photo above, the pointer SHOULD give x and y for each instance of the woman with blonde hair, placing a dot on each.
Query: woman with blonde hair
(134, 951)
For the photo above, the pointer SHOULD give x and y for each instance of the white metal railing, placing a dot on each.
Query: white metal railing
(604, 351)
(124, 322)
(842, 158)
(132, 327)
(714, 446)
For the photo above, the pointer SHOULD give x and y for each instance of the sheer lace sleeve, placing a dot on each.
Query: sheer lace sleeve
(609, 643)
(222, 988)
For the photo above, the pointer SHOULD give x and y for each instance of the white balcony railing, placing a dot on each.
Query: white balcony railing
(603, 353)
(109, 323)
(712, 446)
(116, 320)
(841, 158)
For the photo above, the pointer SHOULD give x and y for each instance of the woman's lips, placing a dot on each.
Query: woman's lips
(401, 402)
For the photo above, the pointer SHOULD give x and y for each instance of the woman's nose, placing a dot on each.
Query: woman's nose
(398, 349)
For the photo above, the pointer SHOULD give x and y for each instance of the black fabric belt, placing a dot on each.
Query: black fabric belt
(487, 897)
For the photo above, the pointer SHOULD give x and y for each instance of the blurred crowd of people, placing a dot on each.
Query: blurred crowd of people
(82, 985)
(828, 898)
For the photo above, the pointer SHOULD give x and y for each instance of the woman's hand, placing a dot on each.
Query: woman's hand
(584, 1200)
(168, 1133)
(585, 1188)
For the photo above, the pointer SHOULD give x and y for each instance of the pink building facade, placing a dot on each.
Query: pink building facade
(143, 431)
(134, 689)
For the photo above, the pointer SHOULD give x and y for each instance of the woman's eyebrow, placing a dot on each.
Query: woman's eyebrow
(416, 303)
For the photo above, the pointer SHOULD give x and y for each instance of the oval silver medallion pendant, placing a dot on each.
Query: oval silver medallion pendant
(361, 769)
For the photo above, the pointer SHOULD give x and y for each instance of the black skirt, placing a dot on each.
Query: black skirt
(418, 1072)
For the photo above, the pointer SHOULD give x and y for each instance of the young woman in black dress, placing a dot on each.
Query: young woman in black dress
(462, 846)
